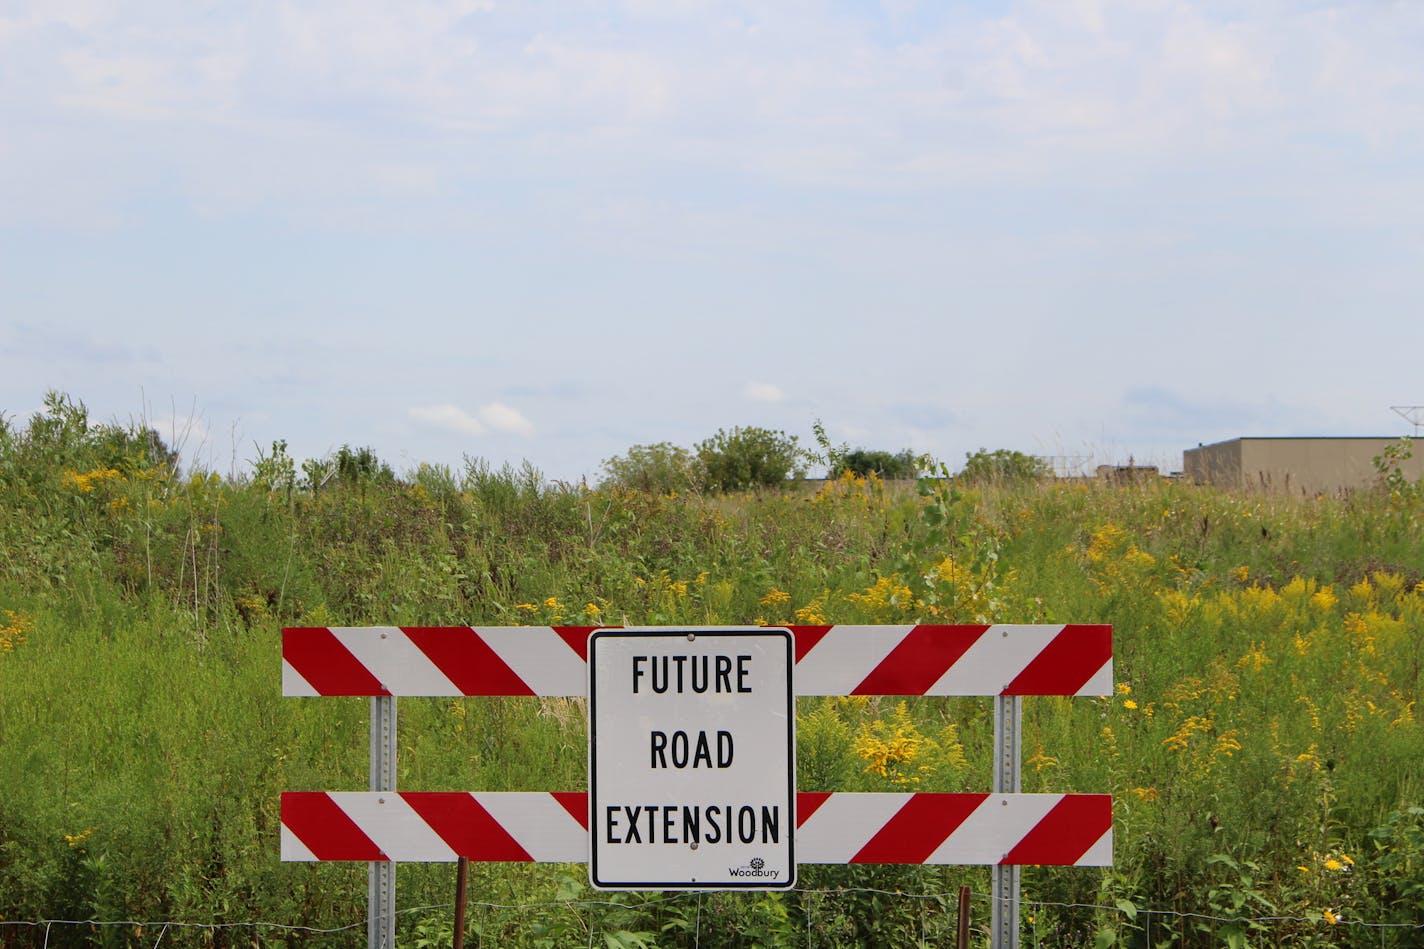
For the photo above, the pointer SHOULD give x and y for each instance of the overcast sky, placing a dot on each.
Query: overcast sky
(1095, 230)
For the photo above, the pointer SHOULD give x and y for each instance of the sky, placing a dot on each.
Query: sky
(1092, 230)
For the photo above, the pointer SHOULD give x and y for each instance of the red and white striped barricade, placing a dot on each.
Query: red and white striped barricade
(972, 829)
(832, 827)
(830, 660)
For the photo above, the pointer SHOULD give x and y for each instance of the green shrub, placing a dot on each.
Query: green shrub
(900, 466)
(1003, 466)
(750, 457)
(662, 468)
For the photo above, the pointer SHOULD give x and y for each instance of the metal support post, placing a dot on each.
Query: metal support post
(1008, 720)
(381, 895)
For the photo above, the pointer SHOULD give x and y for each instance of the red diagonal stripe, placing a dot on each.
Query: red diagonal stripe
(917, 663)
(467, 660)
(576, 803)
(316, 653)
(325, 828)
(808, 803)
(576, 637)
(464, 824)
(807, 637)
(1076, 823)
(918, 828)
(1066, 664)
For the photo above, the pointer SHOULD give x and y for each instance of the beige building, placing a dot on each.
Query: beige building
(1294, 465)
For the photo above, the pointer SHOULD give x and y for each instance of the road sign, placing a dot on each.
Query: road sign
(692, 778)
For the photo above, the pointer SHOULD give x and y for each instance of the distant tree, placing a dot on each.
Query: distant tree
(749, 457)
(902, 465)
(662, 468)
(861, 461)
(362, 466)
(1003, 466)
(351, 467)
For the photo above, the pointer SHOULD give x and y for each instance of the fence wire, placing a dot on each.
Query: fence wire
(1032, 907)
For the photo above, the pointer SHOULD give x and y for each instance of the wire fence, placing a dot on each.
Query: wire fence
(170, 930)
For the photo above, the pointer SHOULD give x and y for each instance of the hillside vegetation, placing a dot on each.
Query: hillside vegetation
(1263, 747)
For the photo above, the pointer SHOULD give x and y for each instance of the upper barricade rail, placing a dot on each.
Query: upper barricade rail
(961, 660)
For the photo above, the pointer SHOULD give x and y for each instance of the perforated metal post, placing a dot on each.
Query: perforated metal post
(1008, 719)
(381, 895)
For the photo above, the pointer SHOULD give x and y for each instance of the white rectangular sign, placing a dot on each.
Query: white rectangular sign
(692, 777)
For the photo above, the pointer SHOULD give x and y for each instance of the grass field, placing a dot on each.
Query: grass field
(1263, 747)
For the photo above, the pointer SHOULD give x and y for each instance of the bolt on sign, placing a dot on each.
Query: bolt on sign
(692, 777)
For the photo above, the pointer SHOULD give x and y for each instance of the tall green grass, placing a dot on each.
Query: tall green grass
(1263, 749)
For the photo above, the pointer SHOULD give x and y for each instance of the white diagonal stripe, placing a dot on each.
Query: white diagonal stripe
(844, 824)
(994, 660)
(394, 660)
(844, 657)
(393, 825)
(1099, 854)
(549, 833)
(1101, 682)
(540, 657)
(292, 848)
(293, 683)
(995, 828)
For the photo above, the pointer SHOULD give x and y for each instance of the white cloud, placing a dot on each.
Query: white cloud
(495, 416)
(502, 418)
(449, 417)
(762, 392)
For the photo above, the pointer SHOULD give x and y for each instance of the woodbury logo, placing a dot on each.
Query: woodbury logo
(756, 867)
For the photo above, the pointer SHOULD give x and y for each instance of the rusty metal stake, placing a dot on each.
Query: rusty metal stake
(462, 874)
(963, 941)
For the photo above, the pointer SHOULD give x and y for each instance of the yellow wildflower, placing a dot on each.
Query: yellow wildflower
(1189, 727)
(883, 594)
(810, 614)
(890, 747)
(1129, 704)
(1136, 557)
(86, 482)
(774, 597)
(1040, 761)
(14, 629)
(1255, 658)
(1228, 742)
